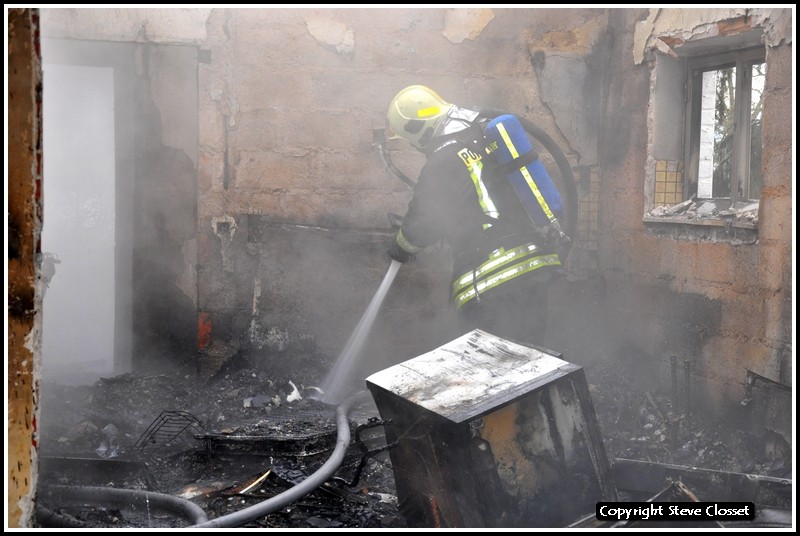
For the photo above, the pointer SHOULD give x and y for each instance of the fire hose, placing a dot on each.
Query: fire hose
(139, 498)
(315, 480)
(193, 512)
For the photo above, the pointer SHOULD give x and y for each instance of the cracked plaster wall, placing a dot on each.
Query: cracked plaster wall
(665, 28)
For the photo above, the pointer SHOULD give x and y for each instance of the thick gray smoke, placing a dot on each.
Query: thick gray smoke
(78, 235)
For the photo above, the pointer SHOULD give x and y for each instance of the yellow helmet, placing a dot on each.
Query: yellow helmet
(414, 115)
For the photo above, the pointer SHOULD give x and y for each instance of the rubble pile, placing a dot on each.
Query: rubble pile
(248, 435)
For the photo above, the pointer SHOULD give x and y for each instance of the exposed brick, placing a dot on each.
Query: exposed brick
(722, 381)
(780, 71)
(152, 25)
(267, 170)
(211, 129)
(733, 26)
(777, 130)
(684, 259)
(771, 259)
(211, 204)
(259, 88)
(623, 253)
(300, 149)
(297, 132)
(745, 269)
(329, 129)
(738, 314)
(507, 94)
(625, 209)
(778, 326)
(211, 81)
(714, 263)
(209, 171)
(647, 252)
(353, 90)
(510, 57)
(268, 37)
(258, 130)
(313, 207)
(347, 170)
(776, 219)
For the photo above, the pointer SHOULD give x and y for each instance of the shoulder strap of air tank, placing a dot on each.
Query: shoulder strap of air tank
(519, 162)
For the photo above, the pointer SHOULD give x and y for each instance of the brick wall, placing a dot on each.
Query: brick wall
(286, 103)
(722, 305)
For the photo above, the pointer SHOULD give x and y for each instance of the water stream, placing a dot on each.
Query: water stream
(339, 378)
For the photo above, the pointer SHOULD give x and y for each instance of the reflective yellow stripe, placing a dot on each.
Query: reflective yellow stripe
(403, 242)
(539, 197)
(428, 112)
(490, 265)
(507, 139)
(506, 275)
(475, 167)
(524, 170)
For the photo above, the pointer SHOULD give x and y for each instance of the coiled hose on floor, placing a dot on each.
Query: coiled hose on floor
(193, 512)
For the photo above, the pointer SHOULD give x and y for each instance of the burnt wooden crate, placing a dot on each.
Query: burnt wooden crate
(490, 433)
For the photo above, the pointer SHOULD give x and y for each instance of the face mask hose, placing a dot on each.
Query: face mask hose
(379, 142)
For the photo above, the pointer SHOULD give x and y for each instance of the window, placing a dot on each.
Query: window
(723, 127)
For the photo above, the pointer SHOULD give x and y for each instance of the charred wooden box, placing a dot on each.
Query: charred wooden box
(490, 433)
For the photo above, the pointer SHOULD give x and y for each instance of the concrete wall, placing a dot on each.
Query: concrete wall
(24, 228)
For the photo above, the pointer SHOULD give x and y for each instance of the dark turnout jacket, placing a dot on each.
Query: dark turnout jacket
(461, 197)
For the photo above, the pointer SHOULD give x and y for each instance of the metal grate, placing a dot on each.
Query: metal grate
(171, 431)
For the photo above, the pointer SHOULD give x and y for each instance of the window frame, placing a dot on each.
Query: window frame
(695, 67)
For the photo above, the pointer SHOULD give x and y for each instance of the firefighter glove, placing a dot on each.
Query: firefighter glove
(399, 254)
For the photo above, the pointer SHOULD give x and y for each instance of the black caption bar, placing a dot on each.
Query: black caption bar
(675, 511)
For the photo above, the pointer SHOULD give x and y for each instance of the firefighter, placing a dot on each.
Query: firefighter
(502, 262)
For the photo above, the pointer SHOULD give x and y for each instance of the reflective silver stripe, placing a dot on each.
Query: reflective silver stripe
(490, 265)
(526, 175)
(403, 242)
(506, 275)
(475, 167)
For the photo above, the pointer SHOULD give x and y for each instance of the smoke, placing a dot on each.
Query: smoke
(347, 363)
(78, 235)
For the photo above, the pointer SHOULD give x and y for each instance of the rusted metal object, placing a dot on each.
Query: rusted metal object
(491, 433)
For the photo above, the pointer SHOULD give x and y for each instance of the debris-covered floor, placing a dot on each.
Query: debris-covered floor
(242, 436)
